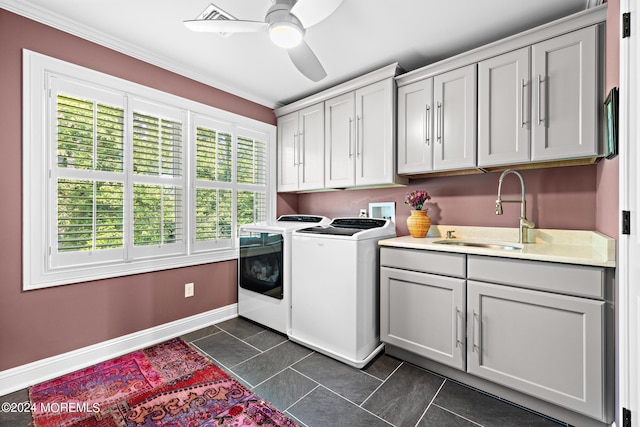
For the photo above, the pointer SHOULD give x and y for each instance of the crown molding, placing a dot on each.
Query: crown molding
(90, 34)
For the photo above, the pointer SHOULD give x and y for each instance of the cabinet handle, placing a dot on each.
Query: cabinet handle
(350, 130)
(358, 137)
(301, 148)
(438, 123)
(459, 342)
(426, 125)
(540, 81)
(476, 332)
(295, 143)
(523, 122)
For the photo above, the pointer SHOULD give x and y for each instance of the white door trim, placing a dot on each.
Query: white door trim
(628, 298)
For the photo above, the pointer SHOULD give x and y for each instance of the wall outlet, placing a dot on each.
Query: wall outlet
(188, 290)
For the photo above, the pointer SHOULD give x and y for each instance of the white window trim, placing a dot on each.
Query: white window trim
(35, 167)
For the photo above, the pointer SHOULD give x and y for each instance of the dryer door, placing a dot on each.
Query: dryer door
(260, 265)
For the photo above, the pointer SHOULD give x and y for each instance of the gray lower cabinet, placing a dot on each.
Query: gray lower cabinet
(544, 344)
(538, 328)
(424, 313)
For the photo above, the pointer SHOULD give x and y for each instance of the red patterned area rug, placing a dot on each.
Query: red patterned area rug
(170, 384)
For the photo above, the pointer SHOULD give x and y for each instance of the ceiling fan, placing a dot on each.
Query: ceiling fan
(286, 22)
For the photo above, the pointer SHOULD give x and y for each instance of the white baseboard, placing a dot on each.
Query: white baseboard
(52, 367)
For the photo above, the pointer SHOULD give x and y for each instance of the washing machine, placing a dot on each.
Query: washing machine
(335, 297)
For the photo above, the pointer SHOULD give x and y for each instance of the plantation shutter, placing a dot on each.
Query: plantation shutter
(119, 178)
(157, 179)
(213, 216)
(87, 176)
(251, 178)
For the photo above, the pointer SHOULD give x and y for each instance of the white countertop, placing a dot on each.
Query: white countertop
(564, 246)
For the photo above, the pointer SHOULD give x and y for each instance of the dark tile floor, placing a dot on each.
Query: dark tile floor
(317, 391)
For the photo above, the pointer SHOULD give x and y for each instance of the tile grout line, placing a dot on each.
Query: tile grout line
(282, 370)
(430, 403)
(294, 418)
(302, 397)
(337, 394)
(200, 338)
(381, 384)
(252, 346)
(457, 415)
(222, 365)
(260, 351)
(357, 406)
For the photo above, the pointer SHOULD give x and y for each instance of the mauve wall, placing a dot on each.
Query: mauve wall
(42, 323)
(556, 198)
(577, 197)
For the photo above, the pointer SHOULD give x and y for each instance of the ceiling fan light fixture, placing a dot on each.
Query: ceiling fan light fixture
(285, 34)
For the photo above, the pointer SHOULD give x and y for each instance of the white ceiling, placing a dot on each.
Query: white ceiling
(361, 36)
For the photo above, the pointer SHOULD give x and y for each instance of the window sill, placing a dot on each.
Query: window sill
(149, 265)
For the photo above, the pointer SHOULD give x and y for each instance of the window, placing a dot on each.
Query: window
(131, 179)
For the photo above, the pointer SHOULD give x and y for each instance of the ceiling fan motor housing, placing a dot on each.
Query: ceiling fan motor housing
(285, 29)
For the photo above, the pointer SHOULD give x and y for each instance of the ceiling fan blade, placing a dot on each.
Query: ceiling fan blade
(225, 26)
(310, 12)
(307, 62)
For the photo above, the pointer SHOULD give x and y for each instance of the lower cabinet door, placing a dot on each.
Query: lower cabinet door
(543, 344)
(424, 314)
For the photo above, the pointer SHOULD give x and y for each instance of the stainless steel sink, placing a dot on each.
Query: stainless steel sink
(487, 245)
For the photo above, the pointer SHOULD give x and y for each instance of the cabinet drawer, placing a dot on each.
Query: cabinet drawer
(446, 264)
(579, 280)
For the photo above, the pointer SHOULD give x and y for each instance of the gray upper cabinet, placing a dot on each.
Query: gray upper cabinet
(287, 143)
(565, 96)
(541, 110)
(455, 119)
(546, 345)
(415, 127)
(504, 84)
(340, 139)
(301, 149)
(359, 137)
(375, 134)
(538, 101)
(437, 122)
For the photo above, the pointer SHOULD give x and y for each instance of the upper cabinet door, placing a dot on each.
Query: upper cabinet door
(287, 152)
(504, 84)
(340, 141)
(565, 102)
(415, 127)
(311, 148)
(455, 119)
(375, 131)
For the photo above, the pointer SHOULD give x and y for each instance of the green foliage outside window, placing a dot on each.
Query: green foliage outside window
(91, 212)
